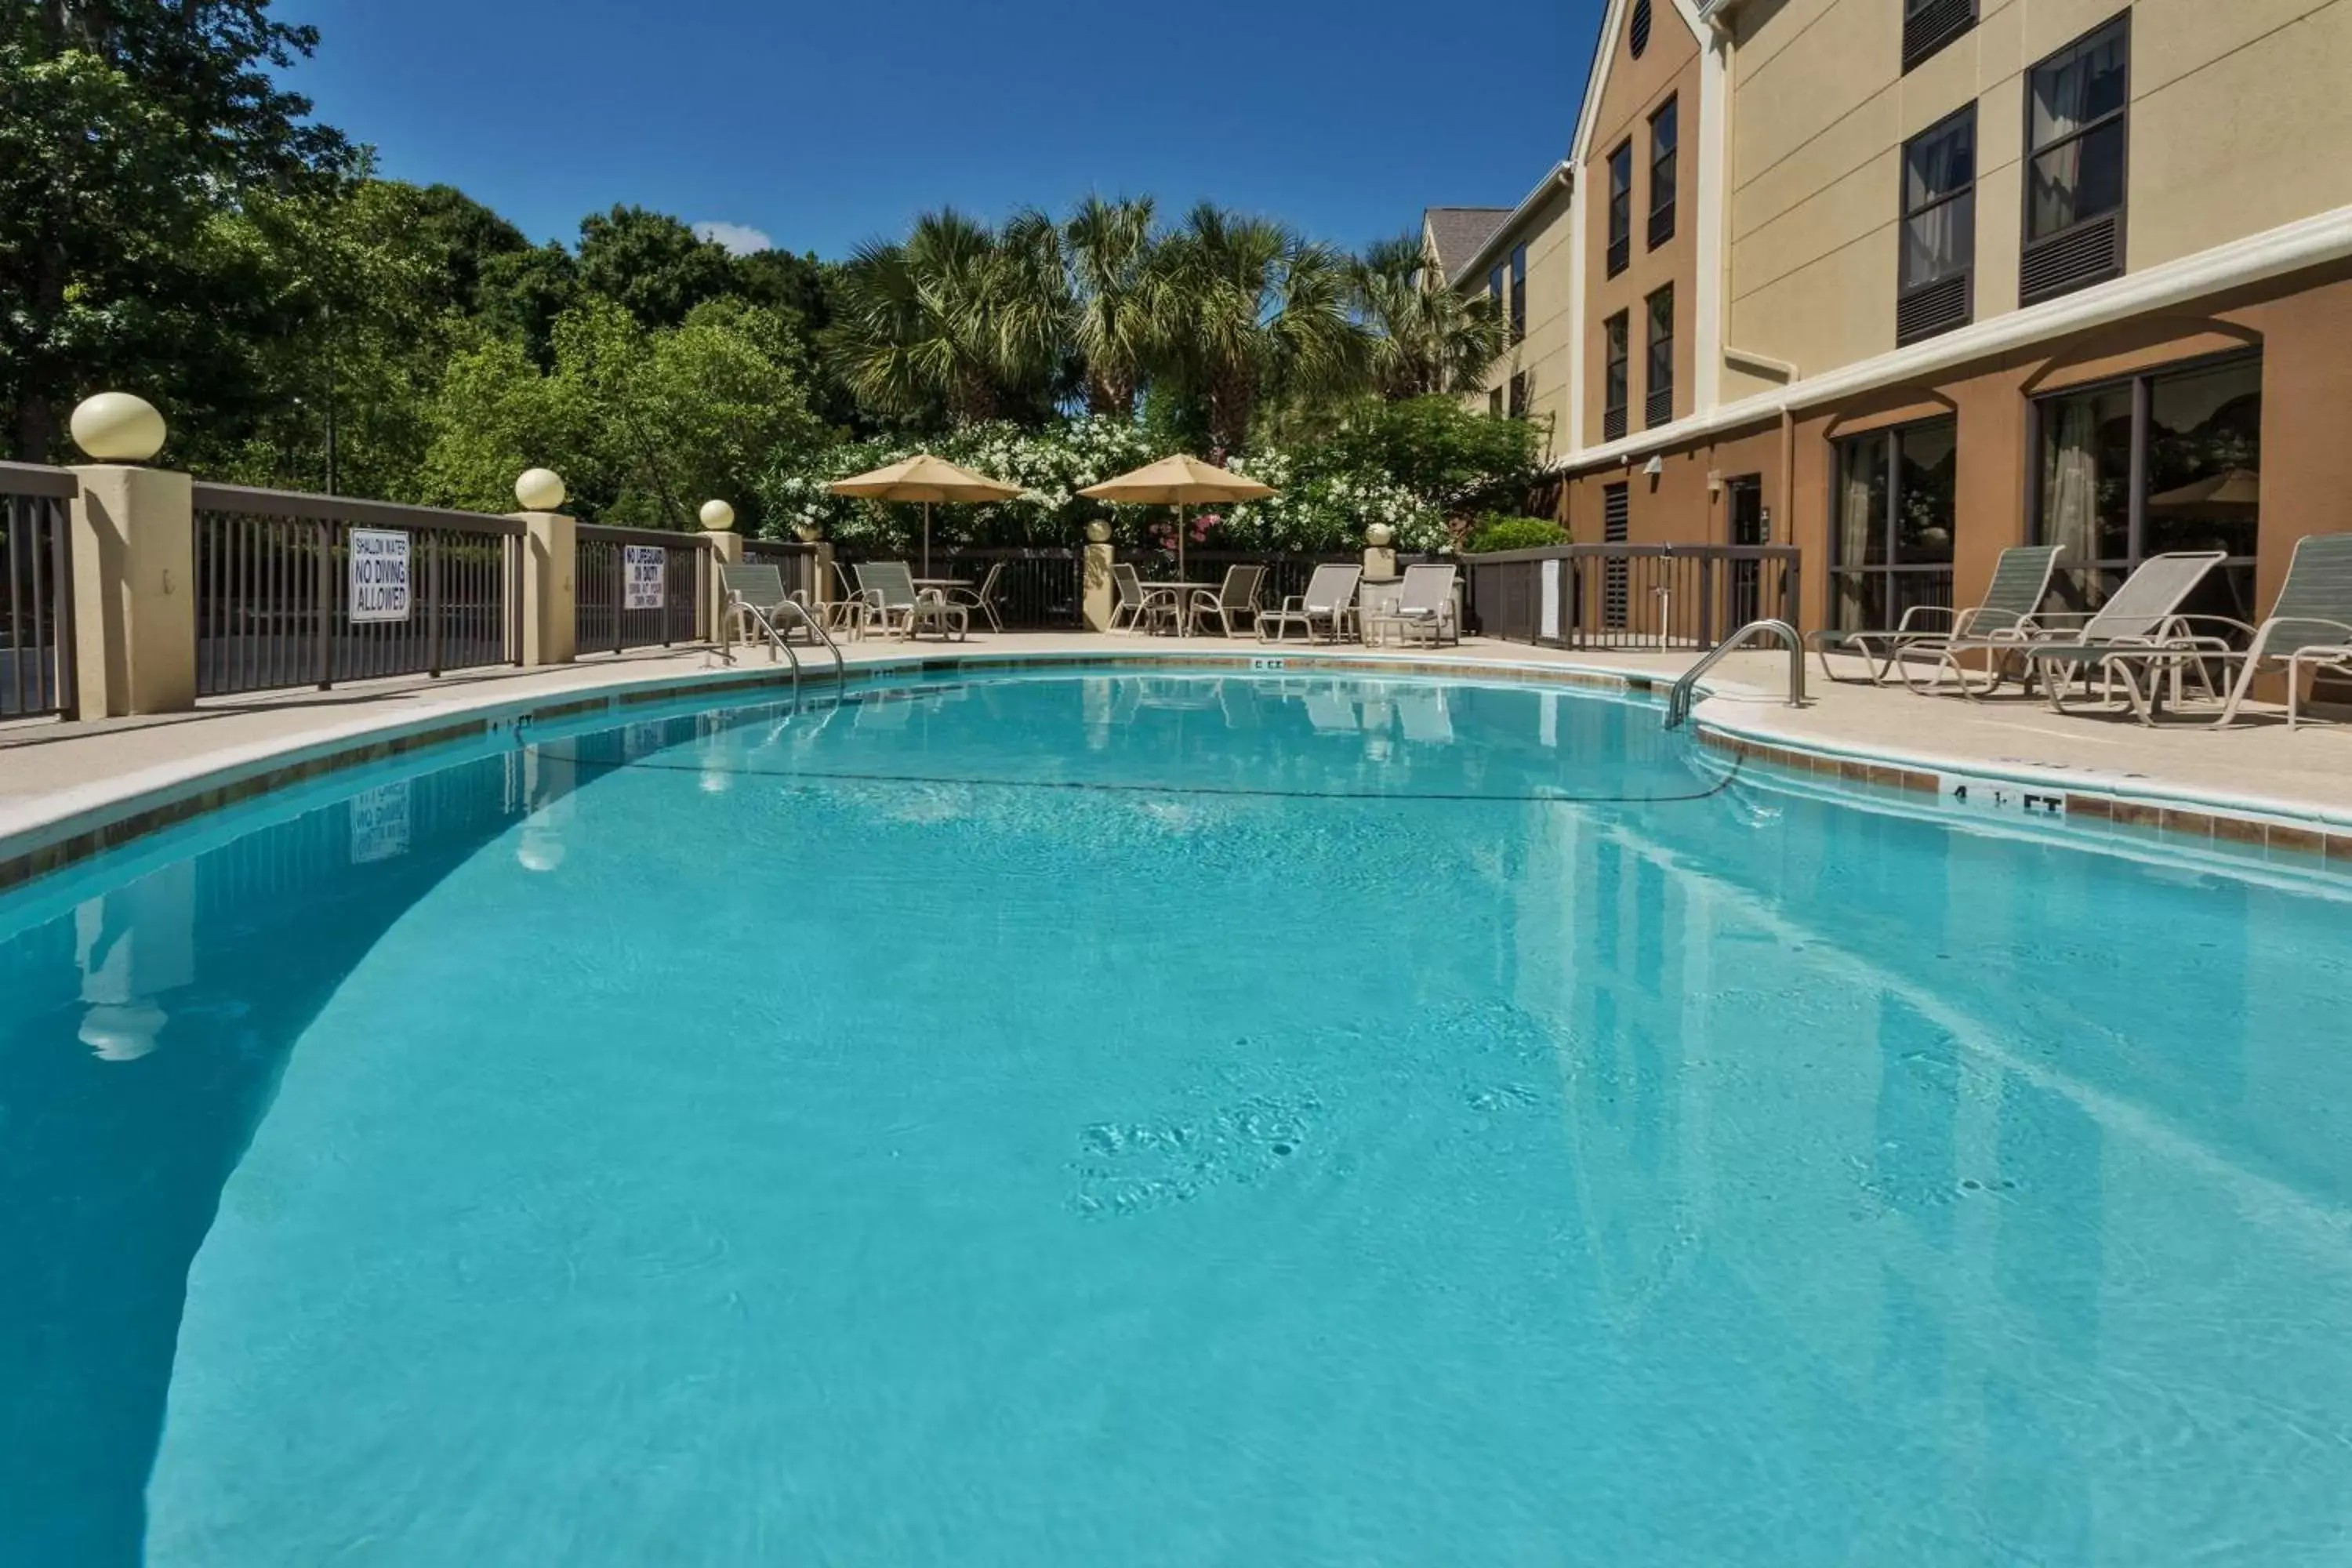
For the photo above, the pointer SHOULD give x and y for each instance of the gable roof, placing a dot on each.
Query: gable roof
(1460, 232)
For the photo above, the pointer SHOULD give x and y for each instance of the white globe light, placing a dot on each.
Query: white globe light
(1380, 536)
(717, 516)
(1098, 532)
(540, 489)
(117, 428)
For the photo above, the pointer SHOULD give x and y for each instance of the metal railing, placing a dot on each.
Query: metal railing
(798, 564)
(37, 635)
(1659, 597)
(275, 591)
(604, 620)
(1686, 692)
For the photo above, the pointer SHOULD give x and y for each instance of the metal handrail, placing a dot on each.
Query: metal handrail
(736, 603)
(1679, 700)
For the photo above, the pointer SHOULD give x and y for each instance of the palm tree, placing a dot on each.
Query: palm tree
(1247, 310)
(1425, 340)
(959, 317)
(1111, 249)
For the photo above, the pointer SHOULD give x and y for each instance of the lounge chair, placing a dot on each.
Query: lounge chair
(893, 603)
(1328, 602)
(1425, 605)
(756, 596)
(2140, 627)
(1234, 599)
(2313, 615)
(1139, 604)
(2142, 613)
(2020, 583)
(982, 598)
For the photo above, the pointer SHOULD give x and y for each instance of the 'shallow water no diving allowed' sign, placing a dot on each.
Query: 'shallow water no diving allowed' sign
(647, 576)
(380, 575)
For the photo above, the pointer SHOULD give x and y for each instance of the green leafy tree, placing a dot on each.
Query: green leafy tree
(1424, 341)
(1251, 312)
(124, 130)
(651, 265)
(1111, 249)
(522, 292)
(958, 324)
(645, 426)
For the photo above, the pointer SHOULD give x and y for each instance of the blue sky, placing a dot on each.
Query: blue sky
(819, 126)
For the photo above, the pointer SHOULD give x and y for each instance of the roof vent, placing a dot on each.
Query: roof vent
(1638, 35)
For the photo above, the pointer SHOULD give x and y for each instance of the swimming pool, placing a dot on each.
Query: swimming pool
(1092, 1118)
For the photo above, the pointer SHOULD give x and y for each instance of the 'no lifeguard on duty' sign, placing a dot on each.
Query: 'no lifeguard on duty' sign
(380, 578)
(647, 566)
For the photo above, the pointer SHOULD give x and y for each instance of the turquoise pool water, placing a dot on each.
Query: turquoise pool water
(1096, 1119)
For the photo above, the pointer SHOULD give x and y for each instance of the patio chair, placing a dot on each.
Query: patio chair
(2020, 583)
(756, 594)
(1425, 605)
(2313, 615)
(982, 598)
(1328, 602)
(894, 604)
(1138, 604)
(1235, 597)
(2140, 627)
(2142, 613)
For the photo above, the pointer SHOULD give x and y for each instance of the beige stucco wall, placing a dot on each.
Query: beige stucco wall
(2239, 120)
(1544, 355)
(1635, 89)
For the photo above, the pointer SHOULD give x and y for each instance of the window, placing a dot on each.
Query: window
(1664, 134)
(1495, 402)
(1520, 395)
(1616, 527)
(1934, 293)
(2164, 461)
(1613, 393)
(1658, 403)
(1494, 286)
(1519, 293)
(2077, 108)
(1893, 546)
(1929, 25)
(1621, 209)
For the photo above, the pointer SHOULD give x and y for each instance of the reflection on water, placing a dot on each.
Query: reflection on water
(1439, 1123)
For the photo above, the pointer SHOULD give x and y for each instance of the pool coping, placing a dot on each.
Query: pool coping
(76, 824)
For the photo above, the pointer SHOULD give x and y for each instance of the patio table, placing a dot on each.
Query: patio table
(1183, 592)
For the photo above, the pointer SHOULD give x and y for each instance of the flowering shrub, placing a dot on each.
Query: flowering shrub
(1411, 466)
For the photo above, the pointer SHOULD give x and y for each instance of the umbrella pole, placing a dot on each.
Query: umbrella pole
(1181, 607)
(926, 538)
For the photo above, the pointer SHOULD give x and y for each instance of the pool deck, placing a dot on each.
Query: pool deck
(55, 775)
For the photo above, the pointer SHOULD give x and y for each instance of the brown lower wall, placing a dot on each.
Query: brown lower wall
(2302, 324)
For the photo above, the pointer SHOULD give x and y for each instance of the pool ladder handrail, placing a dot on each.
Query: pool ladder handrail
(1680, 700)
(737, 603)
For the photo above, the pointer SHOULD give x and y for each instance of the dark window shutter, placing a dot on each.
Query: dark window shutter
(2087, 253)
(1928, 26)
(1938, 308)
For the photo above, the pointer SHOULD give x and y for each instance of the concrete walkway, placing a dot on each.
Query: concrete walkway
(50, 772)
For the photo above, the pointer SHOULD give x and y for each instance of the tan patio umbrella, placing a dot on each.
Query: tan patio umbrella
(925, 479)
(1179, 482)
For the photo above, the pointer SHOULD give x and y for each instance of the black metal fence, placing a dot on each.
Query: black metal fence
(298, 590)
(1687, 596)
(604, 618)
(1039, 589)
(799, 565)
(36, 652)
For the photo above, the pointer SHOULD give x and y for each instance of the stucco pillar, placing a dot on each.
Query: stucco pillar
(551, 559)
(828, 581)
(1095, 599)
(133, 540)
(725, 550)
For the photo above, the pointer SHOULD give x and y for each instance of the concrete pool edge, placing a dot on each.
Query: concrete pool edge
(69, 827)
